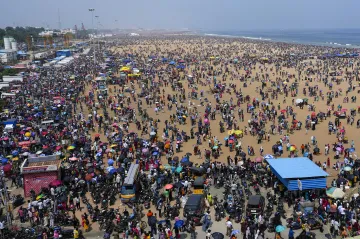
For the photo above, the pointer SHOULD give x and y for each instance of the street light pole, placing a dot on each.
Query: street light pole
(97, 30)
(92, 22)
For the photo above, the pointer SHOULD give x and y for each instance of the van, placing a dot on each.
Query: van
(195, 206)
(256, 204)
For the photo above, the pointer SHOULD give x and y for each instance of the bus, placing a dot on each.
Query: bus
(129, 187)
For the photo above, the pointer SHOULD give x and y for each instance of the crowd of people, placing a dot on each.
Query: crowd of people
(182, 112)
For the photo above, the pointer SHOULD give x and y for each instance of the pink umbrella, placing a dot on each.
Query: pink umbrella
(73, 159)
(55, 183)
(258, 159)
(206, 121)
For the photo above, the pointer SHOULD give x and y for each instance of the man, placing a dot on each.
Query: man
(76, 233)
(159, 207)
(291, 233)
(229, 227)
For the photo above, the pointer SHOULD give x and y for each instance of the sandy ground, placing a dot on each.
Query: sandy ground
(203, 49)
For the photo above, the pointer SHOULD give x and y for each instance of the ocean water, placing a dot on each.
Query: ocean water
(335, 38)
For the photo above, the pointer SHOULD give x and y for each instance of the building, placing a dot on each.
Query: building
(8, 55)
(298, 173)
(64, 52)
(39, 172)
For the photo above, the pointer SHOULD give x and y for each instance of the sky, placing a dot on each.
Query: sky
(183, 14)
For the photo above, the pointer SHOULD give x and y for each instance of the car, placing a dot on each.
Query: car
(194, 207)
(255, 204)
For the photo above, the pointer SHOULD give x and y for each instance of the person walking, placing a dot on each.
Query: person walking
(291, 233)
(229, 227)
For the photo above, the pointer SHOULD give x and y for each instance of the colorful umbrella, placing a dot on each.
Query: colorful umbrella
(292, 148)
(335, 193)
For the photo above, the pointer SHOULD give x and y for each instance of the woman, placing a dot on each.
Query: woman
(85, 223)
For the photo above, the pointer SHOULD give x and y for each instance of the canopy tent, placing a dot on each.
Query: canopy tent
(298, 173)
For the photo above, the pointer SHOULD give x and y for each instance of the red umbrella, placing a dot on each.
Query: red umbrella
(58, 148)
(168, 186)
(97, 135)
(7, 168)
(44, 133)
(283, 111)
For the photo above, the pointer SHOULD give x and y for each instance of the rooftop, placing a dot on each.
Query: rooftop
(7, 50)
(300, 167)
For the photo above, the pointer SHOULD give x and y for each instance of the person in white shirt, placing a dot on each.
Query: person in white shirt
(229, 227)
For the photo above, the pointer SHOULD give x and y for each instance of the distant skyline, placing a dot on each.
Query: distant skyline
(186, 14)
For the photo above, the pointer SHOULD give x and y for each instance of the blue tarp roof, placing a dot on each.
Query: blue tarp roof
(300, 167)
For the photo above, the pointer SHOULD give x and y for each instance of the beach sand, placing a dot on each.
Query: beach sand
(199, 51)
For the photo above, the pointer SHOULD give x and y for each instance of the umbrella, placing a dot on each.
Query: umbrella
(168, 186)
(70, 147)
(234, 232)
(40, 197)
(292, 148)
(178, 185)
(217, 235)
(351, 150)
(73, 159)
(55, 183)
(298, 101)
(238, 132)
(152, 133)
(335, 192)
(179, 223)
(258, 159)
(110, 162)
(4, 160)
(215, 147)
(279, 228)
(185, 159)
(7, 168)
(347, 168)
